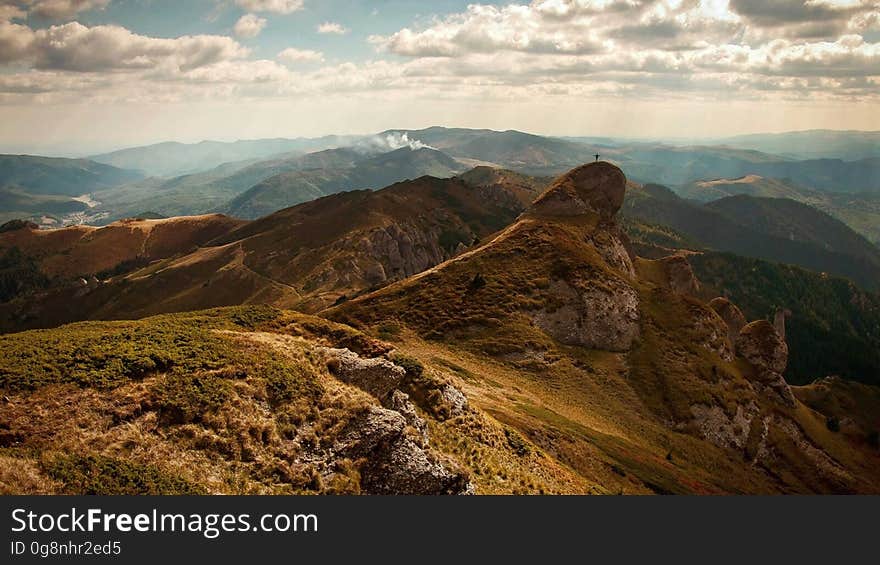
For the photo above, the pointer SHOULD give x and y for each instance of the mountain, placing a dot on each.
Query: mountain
(679, 166)
(544, 359)
(174, 159)
(606, 362)
(777, 230)
(297, 186)
(812, 144)
(70, 261)
(524, 152)
(212, 189)
(752, 185)
(16, 203)
(785, 218)
(57, 176)
(308, 256)
(832, 326)
(861, 212)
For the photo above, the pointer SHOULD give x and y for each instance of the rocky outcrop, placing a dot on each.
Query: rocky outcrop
(393, 439)
(712, 331)
(779, 320)
(599, 316)
(723, 429)
(377, 376)
(591, 308)
(679, 275)
(595, 187)
(731, 315)
(761, 345)
(395, 464)
(612, 245)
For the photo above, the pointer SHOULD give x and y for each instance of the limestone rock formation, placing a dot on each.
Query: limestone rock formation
(395, 464)
(595, 308)
(613, 246)
(602, 316)
(731, 314)
(376, 376)
(679, 274)
(399, 461)
(779, 320)
(597, 187)
(762, 346)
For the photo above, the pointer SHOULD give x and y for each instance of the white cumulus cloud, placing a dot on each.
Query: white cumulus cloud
(293, 56)
(332, 27)
(249, 25)
(274, 6)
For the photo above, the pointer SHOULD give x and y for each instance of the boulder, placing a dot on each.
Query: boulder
(376, 376)
(679, 275)
(394, 463)
(762, 346)
(597, 187)
(731, 314)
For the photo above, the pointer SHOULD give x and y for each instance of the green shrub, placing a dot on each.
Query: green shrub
(412, 366)
(100, 475)
(184, 398)
(251, 317)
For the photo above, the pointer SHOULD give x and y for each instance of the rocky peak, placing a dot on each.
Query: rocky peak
(765, 349)
(762, 346)
(595, 187)
(679, 274)
(779, 320)
(732, 316)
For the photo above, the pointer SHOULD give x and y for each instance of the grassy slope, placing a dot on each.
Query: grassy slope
(220, 401)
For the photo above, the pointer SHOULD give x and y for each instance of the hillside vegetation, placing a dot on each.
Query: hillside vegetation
(773, 229)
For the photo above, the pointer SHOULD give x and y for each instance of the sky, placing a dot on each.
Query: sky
(83, 76)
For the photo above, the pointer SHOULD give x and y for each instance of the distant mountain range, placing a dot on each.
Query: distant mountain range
(175, 159)
(780, 230)
(309, 255)
(811, 144)
(254, 178)
(291, 188)
(859, 211)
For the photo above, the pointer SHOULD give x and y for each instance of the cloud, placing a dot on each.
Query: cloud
(292, 56)
(548, 49)
(15, 40)
(274, 6)
(57, 9)
(249, 25)
(75, 47)
(11, 12)
(332, 27)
